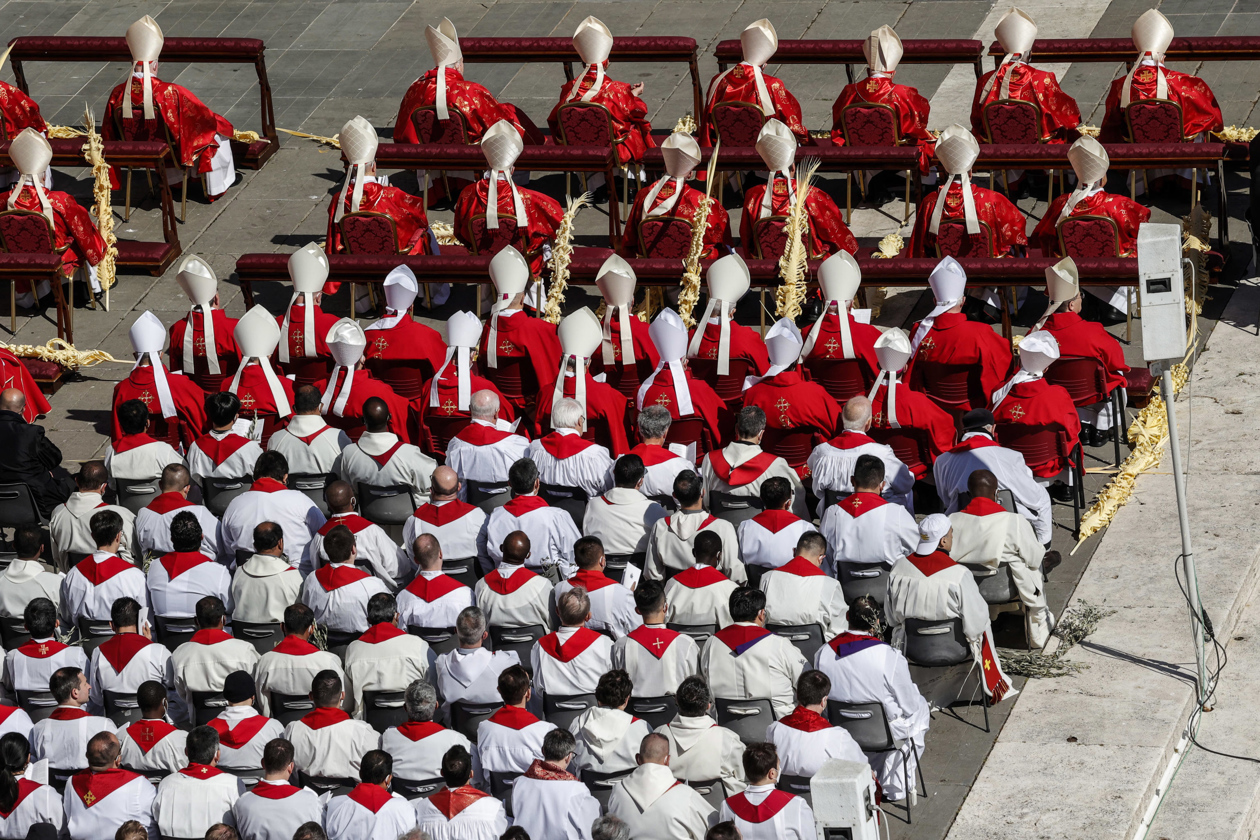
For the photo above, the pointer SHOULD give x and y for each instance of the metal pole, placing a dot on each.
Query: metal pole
(1187, 554)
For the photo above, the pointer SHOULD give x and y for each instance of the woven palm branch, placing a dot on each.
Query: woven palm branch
(689, 295)
(94, 153)
(794, 264)
(561, 256)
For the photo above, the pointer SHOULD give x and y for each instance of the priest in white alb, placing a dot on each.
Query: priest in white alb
(512, 595)
(434, 599)
(200, 795)
(806, 739)
(310, 445)
(470, 673)
(799, 592)
(864, 528)
(571, 660)
(656, 658)
(699, 596)
(154, 521)
(701, 750)
(766, 540)
(551, 530)
(745, 661)
(386, 658)
(104, 796)
(327, 742)
(651, 802)
(607, 735)
(612, 602)
(622, 517)
(734, 474)
(831, 463)
(672, 539)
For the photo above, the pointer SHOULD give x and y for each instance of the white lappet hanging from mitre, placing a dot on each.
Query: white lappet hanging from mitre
(32, 154)
(777, 146)
(957, 150)
(580, 335)
(616, 282)
(669, 336)
(358, 143)
(148, 338)
(1090, 163)
(1152, 35)
(463, 331)
(257, 335)
(883, 52)
(401, 288)
(443, 43)
(728, 280)
(893, 351)
(346, 341)
(949, 286)
(1063, 284)
(1016, 32)
(502, 145)
(509, 272)
(1037, 351)
(593, 42)
(759, 42)
(682, 155)
(197, 280)
(144, 41)
(783, 346)
(308, 269)
(839, 278)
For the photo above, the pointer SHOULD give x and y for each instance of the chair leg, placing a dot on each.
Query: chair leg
(13, 305)
(1050, 194)
(905, 775)
(848, 199)
(1006, 184)
(1128, 315)
(183, 199)
(1194, 188)
(568, 189)
(1146, 182)
(918, 765)
(1133, 185)
(127, 204)
(625, 190)
(478, 300)
(906, 216)
(426, 192)
(1118, 424)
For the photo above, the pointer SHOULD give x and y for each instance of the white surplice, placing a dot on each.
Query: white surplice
(242, 738)
(508, 742)
(141, 462)
(877, 535)
(621, 518)
(309, 445)
(831, 468)
(340, 604)
(1007, 539)
(25, 580)
(407, 466)
(130, 801)
(418, 748)
(737, 453)
(699, 598)
(188, 804)
(794, 821)
(276, 817)
(37, 803)
(471, 675)
(80, 597)
(612, 604)
(332, 751)
(153, 746)
(952, 470)
(290, 668)
(580, 674)
(153, 531)
(177, 597)
(769, 538)
(419, 606)
(671, 540)
(795, 595)
(556, 810)
(461, 538)
(551, 535)
(656, 670)
(589, 470)
(373, 546)
(240, 464)
(72, 534)
(654, 807)
(485, 463)
(292, 510)
(607, 740)
(483, 819)
(64, 742)
(346, 819)
(767, 669)
(121, 675)
(262, 587)
(385, 659)
(29, 667)
(204, 666)
(702, 751)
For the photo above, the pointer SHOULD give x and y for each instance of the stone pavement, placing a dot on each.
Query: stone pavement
(329, 60)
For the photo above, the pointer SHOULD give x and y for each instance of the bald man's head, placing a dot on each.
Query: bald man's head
(428, 553)
(444, 484)
(515, 548)
(376, 415)
(92, 477)
(982, 484)
(857, 414)
(340, 496)
(175, 478)
(654, 749)
(11, 399)
(484, 405)
(103, 750)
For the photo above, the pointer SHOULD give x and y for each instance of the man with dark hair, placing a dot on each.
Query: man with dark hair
(512, 595)
(832, 463)
(153, 522)
(655, 658)
(179, 578)
(863, 528)
(548, 801)
(96, 582)
(653, 803)
(221, 452)
(622, 517)
(723, 831)
(327, 742)
(339, 591)
(378, 552)
(289, 667)
(151, 745)
(386, 657)
(310, 831)
(28, 667)
(550, 530)
(612, 603)
(766, 540)
(243, 732)
(570, 660)
(672, 539)
(370, 811)
(27, 577)
(419, 744)
(745, 661)
(380, 457)
(104, 796)
(269, 499)
(434, 598)
(799, 592)
(275, 809)
(510, 739)
(761, 811)
(457, 526)
(199, 796)
(129, 658)
(265, 584)
(699, 749)
(309, 445)
(459, 811)
(737, 471)
(202, 663)
(607, 736)
(70, 525)
(136, 456)
(62, 737)
(701, 594)
(806, 739)
(470, 673)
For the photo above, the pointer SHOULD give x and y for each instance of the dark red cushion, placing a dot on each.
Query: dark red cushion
(113, 48)
(660, 46)
(850, 51)
(133, 252)
(1122, 49)
(401, 155)
(43, 371)
(30, 262)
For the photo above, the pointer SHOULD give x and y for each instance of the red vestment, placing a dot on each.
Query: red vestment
(363, 388)
(255, 394)
(524, 336)
(542, 216)
(717, 233)
(405, 209)
(830, 346)
(409, 341)
(605, 408)
(911, 108)
(224, 347)
(792, 402)
(298, 363)
(740, 85)
(1088, 339)
(953, 340)
(828, 234)
(448, 404)
(190, 122)
(1040, 405)
(13, 374)
(74, 232)
(474, 102)
(645, 355)
(1005, 221)
(17, 112)
(705, 403)
(632, 131)
(190, 402)
(1199, 111)
(1126, 212)
(916, 411)
(1059, 112)
(746, 344)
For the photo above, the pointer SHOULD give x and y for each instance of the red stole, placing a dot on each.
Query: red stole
(219, 450)
(849, 440)
(352, 521)
(68, 713)
(513, 717)
(372, 797)
(178, 562)
(239, 735)
(980, 506)
(168, 502)
(741, 637)
(848, 643)
(572, 647)
(201, 771)
(119, 650)
(445, 513)
(698, 577)
(775, 521)
(475, 434)
(932, 563)
(126, 443)
(334, 576)
(267, 485)
(769, 807)
(506, 586)
(210, 636)
(295, 646)
(547, 773)
(653, 455)
(274, 791)
(414, 730)
(801, 567)
(560, 446)
(745, 473)
(591, 579)
(805, 720)
(25, 788)
(522, 505)
(381, 632)
(861, 502)
(321, 718)
(431, 589)
(41, 650)
(979, 441)
(450, 802)
(383, 459)
(655, 640)
(97, 573)
(147, 734)
(91, 787)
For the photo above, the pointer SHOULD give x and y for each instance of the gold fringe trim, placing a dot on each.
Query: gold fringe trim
(94, 153)
(63, 353)
(334, 141)
(1234, 134)
(793, 265)
(561, 256)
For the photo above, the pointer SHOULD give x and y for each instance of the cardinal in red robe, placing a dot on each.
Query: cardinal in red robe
(748, 82)
(746, 344)
(543, 215)
(473, 101)
(18, 111)
(1127, 213)
(533, 340)
(717, 233)
(1058, 113)
(224, 348)
(1199, 110)
(632, 131)
(363, 388)
(827, 341)
(605, 413)
(828, 234)
(400, 343)
(74, 233)
(407, 211)
(189, 401)
(705, 403)
(448, 405)
(13, 374)
(916, 411)
(954, 340)
(307, 370)
(1039, 405)
(1088, 339)
(1005, 221)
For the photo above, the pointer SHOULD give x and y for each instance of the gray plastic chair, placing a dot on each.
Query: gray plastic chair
(135, 495)
(391, 505)
(38, 705)
(601, 785)
(518, 639)
(807, 638)
(501, 788)
(122, 709)
(440, 639)
(858, 579)
(563, 709)
(93, 633)
(710, 791)
(207, 705)
(13, 632)
(699, 632)
(17, 506)
(312, 486)
(218, 493)
(466, 717)
(936, 643)
(411, 789)
(263, 636)
(997, 586)
(616, 564)
(656, 711)
(463, 569)
(797, 785)
(733, 508)
(172, 632)
(571, 500)
(287, 708)
(487, 495)
(383, 709)
(746, 718)
(868, 724)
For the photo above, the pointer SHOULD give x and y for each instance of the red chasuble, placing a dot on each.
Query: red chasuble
(1078, 337)
(705, 402)
(1040, 405)
(474, 103)
(13, 374)
(1006, 223)
(910, 106)
(1128, 214)
(1199, 111)
(405, 209)
(605, 408)
(224, 348)
(191, 123)
(74, 233)
(916, 411)
(17, 112)
(828, 234)
(632, 131)
(954, 340)
(542, 215)
(740, 85)
(717, 233)
(1059, 112)
(522, 336)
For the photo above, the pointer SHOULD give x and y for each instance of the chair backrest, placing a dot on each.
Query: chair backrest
(955, 388)
(870, 124)
(729, 387)
(797, 786)
(218, 493)
(807, 638)
(1083, 377)
(466, 717)
(38, 705)
(792, 445)
(686, 431)
(710, 790)
(734, 509)
(13, 632)
(572, 500)
(17, 506)
(443, 429)
(615, 564)
(1155, 121)
(172, 632)
(997, 586)
(700, 633)
(563, 709)
(463, 569)
(430, 129)
(843, 379)
(1038, 444)
(869, 579)
(93, 633)
(501, 788)
(866, 722)
(487, 241)
(26, 232)
(406, 377)
(656, 711)
(770, 238)
(1089, 237)
(952, 240)
(627, 379)
(312, 486)
(665, 237)
(122, 709)
(391, 505)
(366, 232)
(585, 124)
(326, 784)
(134, 495)
(287, 708)
(1012, 122)
(601, 785)
(206, 706)
(936, 642)
(412, 789)
(909, 445)
(746, 718)
(383, 709)
(518, 639)
(140, 129)
(487, 495)
(439, 639)
(737, 123)
(1005, 498)
(262, 635)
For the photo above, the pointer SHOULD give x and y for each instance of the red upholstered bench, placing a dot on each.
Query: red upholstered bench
(1139, 384)
(1096, 50)
(34, 268)
(849, 52)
